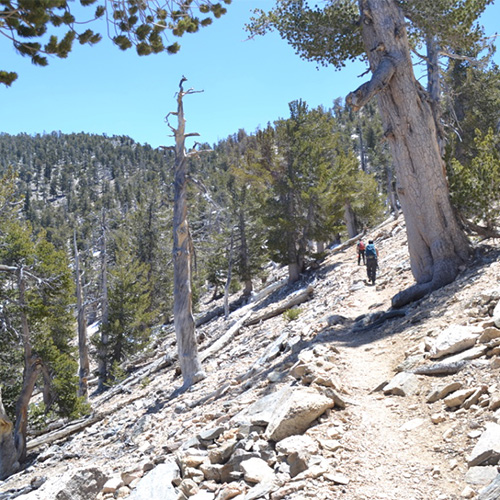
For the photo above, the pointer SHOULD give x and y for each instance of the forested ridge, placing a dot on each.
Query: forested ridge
(87, 239)
(86, 225)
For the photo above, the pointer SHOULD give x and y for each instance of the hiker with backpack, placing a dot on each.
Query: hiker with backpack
(371, 261)
(361, 251)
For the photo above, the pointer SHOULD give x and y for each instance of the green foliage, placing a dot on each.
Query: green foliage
(143, 25)
(116, 374)
(45, 305)
(329, 34)
(129, 294)
(475, 188)
(292, 314)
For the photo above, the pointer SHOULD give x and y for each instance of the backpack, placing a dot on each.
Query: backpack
(371, 253)
(361, 246)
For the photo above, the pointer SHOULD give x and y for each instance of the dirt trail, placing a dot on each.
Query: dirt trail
(394, 448)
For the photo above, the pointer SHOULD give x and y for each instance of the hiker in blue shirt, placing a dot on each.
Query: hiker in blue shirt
(371, 254)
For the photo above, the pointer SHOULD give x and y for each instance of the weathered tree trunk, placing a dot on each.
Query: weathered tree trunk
(350, 220)
(244, 258)
(13, 437)
(187, 348)
(391, 192)
(102, 351)
(434, 87)
(83, 350)
(8, 453)
(229, 277)
(436, 243)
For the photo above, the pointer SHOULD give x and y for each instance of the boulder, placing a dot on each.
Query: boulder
(255, 470)
(157, 484)
(403, 384)
(481, 476)
(82, 484)
(297, 411)
(260, 412)
(454, 339)
(487, 449)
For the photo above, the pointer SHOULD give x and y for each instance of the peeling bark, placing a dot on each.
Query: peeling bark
(184, 322)
(437, 245)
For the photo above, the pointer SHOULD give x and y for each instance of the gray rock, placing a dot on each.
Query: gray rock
(487, 449)
(403, 384)
(297, 411)
(454, 339)
(297, 451)
(255, 470)
(82, 485)
(157, 484)
(210, 434)
(260, 412)
(491, 492)
(458, 397)
(496, 315)
(481, 476)
(473, 353)
(441, 391)
(489, 334)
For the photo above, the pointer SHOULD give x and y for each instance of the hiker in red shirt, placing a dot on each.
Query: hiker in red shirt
(361, 251)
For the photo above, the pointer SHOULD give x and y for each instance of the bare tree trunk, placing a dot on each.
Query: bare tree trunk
(229, 276)
(102, 351)
(437, 245)
(434, 87)
(244, 259)
(187, 348)
(350, 220)
(83, 350)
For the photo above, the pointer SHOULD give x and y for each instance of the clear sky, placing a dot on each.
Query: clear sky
(245, 84)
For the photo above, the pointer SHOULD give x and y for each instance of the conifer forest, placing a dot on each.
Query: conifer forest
(87, 278)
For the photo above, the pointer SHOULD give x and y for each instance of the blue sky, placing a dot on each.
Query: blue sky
(245, 84)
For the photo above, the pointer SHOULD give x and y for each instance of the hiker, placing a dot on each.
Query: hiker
(361, 251)
(371, 261)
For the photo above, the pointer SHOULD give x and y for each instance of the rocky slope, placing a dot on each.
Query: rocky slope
(349, 400)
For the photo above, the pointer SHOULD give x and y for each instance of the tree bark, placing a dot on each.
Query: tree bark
(83, 350)
(13, 437)
(437, 245)
(350, 220)
(229, 277)
(102, 353)
(8, 454)
(191, 368)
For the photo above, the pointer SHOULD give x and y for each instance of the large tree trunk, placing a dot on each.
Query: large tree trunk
(13, 437)
(187, 348)
(9, 456)
(436, 243)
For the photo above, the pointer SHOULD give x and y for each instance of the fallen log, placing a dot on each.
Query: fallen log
(300, 297)
(225, 339)
(443, 368)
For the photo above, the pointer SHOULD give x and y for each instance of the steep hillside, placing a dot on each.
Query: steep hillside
(307, 407)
